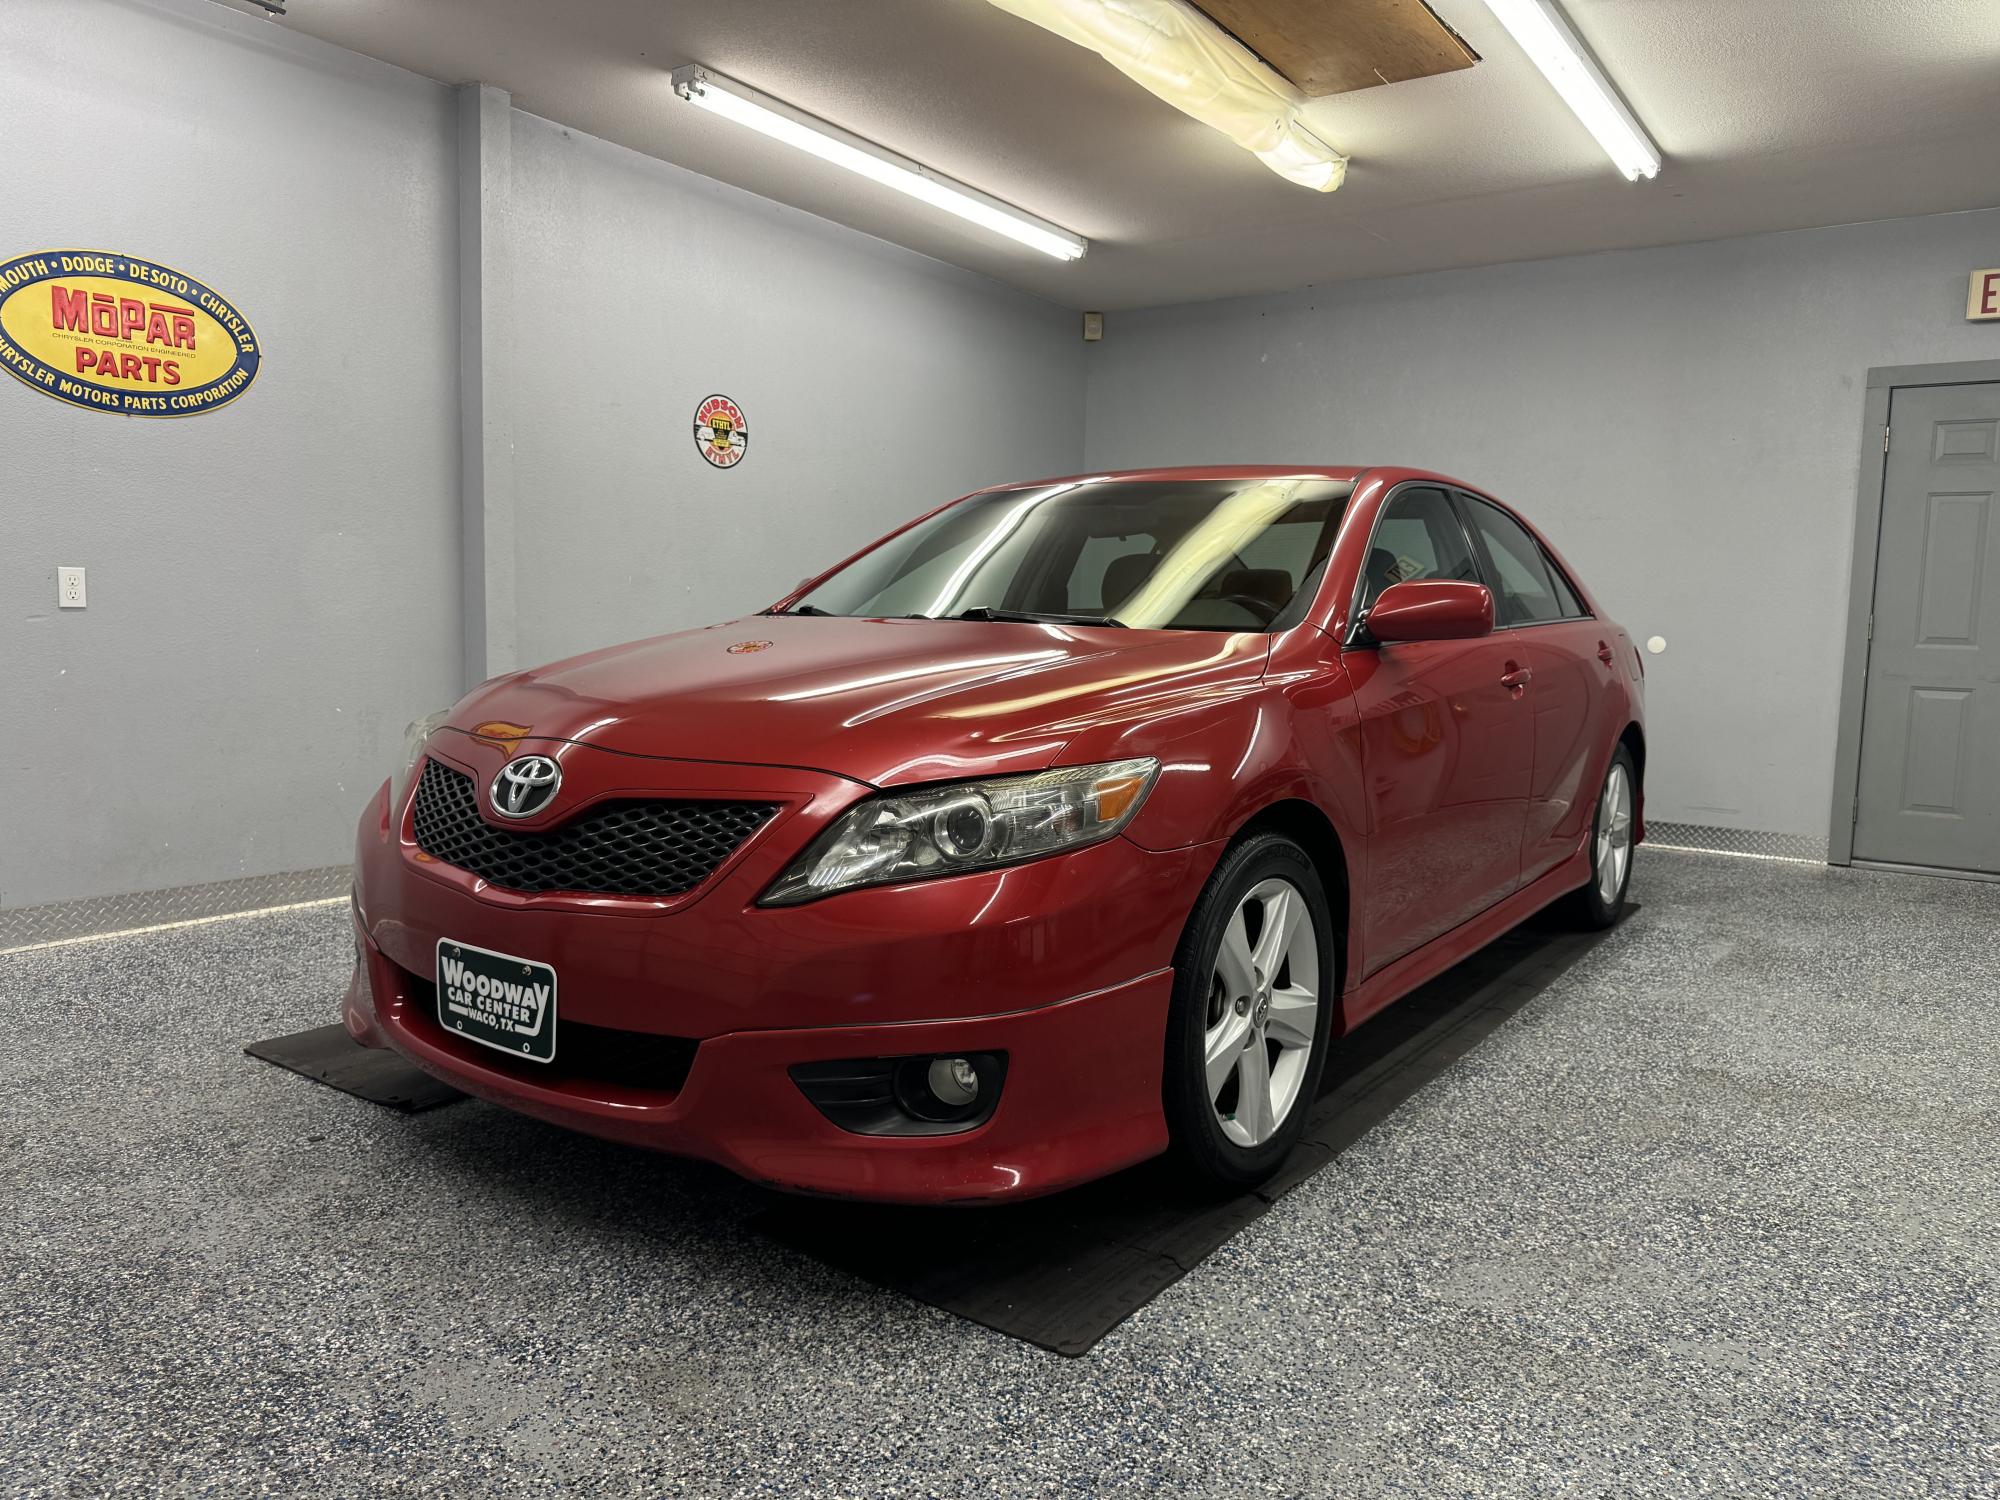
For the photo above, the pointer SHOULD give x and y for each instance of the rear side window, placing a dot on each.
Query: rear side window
(1417, 536)
(1572, 606)
(1523, 585)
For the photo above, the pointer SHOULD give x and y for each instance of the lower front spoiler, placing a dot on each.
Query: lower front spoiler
(1081, 1100)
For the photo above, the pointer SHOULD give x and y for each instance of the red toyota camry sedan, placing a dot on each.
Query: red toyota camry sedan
(1070, 824)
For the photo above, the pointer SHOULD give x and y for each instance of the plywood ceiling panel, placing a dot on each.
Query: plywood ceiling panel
(1336, 46)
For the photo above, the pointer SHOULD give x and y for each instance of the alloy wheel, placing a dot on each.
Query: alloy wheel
(1614, 834)
(1263, 1012)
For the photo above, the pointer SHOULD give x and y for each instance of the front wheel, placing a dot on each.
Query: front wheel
(1602, 901)
(1253, 1001)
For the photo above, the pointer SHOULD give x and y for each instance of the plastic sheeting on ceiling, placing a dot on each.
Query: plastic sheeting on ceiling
(1176, 52)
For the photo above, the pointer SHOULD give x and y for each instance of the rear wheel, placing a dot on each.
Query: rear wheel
(1602, 901)
(1252, 1009)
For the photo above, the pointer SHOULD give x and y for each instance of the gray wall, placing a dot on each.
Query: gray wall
(1685, 421)
(877, 383)
(275, 587)
(272, 587)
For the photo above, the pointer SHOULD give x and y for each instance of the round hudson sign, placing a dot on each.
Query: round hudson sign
(116, 333)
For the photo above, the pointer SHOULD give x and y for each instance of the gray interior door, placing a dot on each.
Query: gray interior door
(1930, 725)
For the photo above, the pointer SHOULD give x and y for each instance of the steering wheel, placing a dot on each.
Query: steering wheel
(1263, 609)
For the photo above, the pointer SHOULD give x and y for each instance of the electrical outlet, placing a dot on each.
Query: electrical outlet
(69, 588)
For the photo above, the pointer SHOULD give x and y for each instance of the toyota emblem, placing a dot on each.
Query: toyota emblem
(526, 786)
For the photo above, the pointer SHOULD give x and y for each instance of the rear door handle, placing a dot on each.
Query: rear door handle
(1517, 679)
(1604, 652)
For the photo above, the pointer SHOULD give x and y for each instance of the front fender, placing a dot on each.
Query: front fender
(1294, 740)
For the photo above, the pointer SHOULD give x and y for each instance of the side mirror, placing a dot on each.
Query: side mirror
(1432, 609)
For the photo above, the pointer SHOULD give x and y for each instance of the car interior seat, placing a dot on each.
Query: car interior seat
(1126, 576)
(1381, 571)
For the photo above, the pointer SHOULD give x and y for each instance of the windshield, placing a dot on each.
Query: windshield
(1205, 554)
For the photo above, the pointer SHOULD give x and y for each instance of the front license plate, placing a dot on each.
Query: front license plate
(497, 1000)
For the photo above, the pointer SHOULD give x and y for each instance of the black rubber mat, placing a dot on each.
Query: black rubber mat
(1062, 1272)
(328, 1055)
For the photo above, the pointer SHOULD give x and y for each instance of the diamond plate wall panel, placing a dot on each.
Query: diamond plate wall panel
(1798, 846)
(22, 926)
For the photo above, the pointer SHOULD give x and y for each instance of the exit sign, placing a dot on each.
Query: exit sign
(1984, 299)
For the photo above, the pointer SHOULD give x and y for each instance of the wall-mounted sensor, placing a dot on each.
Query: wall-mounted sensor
(1656, 644)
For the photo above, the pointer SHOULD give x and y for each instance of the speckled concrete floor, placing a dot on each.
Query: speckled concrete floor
(1718, 1215)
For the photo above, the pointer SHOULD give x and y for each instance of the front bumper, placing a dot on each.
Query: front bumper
(1082, 1096)
(1063, 964)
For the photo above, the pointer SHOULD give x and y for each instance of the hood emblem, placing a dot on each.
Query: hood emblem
(744, 648)
(525, 787)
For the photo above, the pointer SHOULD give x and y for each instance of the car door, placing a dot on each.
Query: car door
(1571, 659)
(1446, 744)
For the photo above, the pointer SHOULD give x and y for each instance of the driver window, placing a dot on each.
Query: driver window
(1418, 536)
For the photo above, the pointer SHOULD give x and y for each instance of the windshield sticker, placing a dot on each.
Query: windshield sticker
(115, 333)
(721, 431)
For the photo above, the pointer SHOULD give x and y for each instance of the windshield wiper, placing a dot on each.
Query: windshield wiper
(803, 609)
(1035, 617)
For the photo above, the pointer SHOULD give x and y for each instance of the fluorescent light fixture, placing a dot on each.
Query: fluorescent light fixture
(1554, 48)
(746, 106)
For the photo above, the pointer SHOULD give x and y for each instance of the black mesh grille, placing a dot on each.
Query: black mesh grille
(635, 848)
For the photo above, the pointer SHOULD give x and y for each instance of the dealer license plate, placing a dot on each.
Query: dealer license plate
(497, 1000)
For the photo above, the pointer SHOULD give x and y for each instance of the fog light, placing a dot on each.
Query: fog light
(944, 1089)
(954, 1081)
(924, 1095)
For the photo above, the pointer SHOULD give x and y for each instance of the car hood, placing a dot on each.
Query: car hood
(887, 702)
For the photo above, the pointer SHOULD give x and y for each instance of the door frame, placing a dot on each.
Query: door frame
(1883, 383)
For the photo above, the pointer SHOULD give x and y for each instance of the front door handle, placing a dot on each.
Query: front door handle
(1516, 680)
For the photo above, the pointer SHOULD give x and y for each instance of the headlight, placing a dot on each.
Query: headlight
(968, 825)
(414, 738)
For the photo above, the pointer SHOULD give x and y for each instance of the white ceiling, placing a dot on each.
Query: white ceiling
(1772, 114)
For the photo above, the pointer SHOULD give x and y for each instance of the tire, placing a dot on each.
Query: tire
(1220, 1138)
(1601, 902)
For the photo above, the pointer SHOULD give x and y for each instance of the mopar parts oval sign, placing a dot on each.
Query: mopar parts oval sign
(116, 333)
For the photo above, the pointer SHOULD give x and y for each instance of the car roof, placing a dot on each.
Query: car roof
(1343, 472)
(1391, 475)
